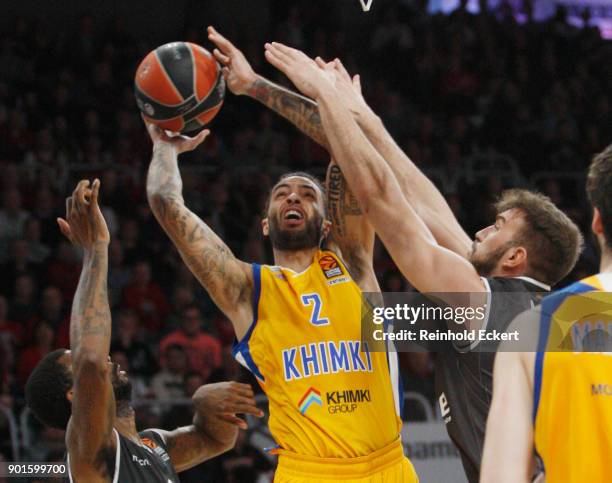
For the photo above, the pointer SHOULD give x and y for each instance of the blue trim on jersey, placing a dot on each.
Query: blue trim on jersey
(399, 382)
(549, 306)
(400, 388)
(242, 347)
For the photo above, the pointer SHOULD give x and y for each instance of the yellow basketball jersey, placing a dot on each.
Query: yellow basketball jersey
(573, 383)
(328, 395)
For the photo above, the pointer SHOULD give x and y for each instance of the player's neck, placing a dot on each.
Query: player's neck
(298, 260)
(606, 261)
(125, 424)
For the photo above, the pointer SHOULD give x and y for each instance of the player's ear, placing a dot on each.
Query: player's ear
(515, 257)
(326, 228)
(596, 223)
(265, 226)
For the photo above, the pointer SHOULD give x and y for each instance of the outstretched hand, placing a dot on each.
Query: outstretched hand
(238, 73)
(303, 71)
(348, 88)
(225, 400)
(179, 142)
(84, 224)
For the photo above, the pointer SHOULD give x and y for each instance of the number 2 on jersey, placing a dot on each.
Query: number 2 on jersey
(315, 316)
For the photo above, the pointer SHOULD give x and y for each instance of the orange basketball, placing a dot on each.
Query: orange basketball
(179, 86)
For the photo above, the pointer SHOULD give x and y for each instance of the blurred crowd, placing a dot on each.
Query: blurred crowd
(478, 101)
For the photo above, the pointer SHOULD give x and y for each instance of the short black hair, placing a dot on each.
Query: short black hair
(300, 174)
(599, 189)
(46, 389)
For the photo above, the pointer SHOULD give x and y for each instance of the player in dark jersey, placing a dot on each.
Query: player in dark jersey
(531, 246)
(81, 391)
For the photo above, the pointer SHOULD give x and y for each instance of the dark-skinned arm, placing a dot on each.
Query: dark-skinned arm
(215, 424)
(93, 405)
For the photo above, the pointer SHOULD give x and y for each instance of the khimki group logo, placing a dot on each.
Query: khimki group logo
(312, 396)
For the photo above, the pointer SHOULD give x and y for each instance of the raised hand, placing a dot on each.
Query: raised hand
(84, 224)
(226, 399)
(303, 71)
(179, 142)
(237, 71)
(347, 87)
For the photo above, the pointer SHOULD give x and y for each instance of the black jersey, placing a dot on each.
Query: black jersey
(130, 462)
(464, 374)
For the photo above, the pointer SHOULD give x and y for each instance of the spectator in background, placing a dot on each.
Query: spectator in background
(203, 350)
(12, 220)
(244, 463)
(145, 297)
(182, 297)
(118, 274)
(19, 262)
(63, 270)
(37, 251)
(126, 340)
(169, 383)
(23, 306)
(180, 414)
(140, 388)
(43, 343)
(46, 208)
(52, 306)
(133, 248)
(10, 332)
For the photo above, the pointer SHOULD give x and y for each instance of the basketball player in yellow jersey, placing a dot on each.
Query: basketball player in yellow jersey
(333, 404)
(552, 406)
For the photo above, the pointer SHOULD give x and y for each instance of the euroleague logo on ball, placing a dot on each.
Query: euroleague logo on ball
(148, 108)
(145, 107)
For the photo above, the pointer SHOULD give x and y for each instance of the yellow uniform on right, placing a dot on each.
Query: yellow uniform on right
(573, 383)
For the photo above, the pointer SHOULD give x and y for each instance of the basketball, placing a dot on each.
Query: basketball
(179, 86)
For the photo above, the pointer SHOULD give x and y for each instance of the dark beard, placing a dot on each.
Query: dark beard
(122, 388)
(290, 241)
(485, 266)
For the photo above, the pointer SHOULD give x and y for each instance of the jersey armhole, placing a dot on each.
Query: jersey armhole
(117, 460)
(471, 346)
(240, 349)
(158, 433)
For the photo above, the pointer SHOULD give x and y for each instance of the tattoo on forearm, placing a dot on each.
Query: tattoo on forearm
(299, 110)
(91, 310)
(204, 253)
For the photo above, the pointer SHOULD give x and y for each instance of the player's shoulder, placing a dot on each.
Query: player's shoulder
(154, 438)
(515, 284)
(553, 301)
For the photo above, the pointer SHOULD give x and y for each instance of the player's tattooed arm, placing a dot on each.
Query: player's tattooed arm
(227, 279)
(215, 425)
(93, 405)
(300, 111)
(351, 230)
(241, 79)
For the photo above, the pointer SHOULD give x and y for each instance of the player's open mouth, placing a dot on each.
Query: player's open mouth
(293, 217)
